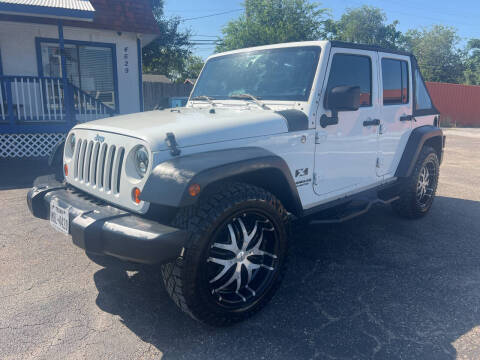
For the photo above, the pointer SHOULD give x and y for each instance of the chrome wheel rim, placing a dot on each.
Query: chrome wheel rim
(242, 260)
(426, 183)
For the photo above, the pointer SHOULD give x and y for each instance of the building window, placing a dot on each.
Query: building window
(89, 68)
(395, 82)
(352, 70)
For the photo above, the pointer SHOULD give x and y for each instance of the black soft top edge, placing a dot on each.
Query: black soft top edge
(347, 45)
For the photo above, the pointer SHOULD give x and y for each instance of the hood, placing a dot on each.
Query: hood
(192, 126)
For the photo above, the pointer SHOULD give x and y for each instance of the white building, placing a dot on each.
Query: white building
(67, 61)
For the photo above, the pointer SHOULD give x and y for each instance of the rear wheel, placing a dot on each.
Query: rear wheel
(418, 194)
(235, 257)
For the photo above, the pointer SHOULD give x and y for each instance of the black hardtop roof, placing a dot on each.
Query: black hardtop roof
(348, 45)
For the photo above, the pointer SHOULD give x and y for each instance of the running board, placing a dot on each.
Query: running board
(334, 216)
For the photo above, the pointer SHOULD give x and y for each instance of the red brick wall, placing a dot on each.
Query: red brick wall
(458, 104)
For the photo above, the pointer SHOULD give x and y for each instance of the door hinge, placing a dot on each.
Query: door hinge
(379, 164)
(319, 138)
(380, 129)
(315, 179)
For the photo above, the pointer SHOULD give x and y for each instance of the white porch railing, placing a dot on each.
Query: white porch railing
(34, 100)
(87, 108)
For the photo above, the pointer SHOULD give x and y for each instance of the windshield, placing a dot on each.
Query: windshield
(273, 74)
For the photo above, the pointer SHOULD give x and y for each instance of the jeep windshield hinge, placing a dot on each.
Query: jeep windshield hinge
(329, 120)
(172, 144)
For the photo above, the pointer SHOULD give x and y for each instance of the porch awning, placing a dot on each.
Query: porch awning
(62, 9)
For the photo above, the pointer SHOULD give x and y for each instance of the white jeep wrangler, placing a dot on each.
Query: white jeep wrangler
(315, 130)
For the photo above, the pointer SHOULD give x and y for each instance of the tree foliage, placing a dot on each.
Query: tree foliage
(170, 53)
(437, 49)
(365, 25)
(472, 62)
(263, 22)
(437, 53)
(273, 21)
(192, 68)
(157, 8)
(167, 53)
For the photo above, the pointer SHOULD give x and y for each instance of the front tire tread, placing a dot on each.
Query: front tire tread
(180, 276)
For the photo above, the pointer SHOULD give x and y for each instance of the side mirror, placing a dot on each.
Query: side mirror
(343, 98)
(340, 98)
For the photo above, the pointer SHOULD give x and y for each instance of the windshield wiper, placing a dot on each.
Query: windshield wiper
(204, 97)
(251, 97)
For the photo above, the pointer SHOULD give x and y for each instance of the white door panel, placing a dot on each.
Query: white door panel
(396, 107)
(346, 153)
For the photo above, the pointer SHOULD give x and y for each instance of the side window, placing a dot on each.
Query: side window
(422, 99)
(352, 70)
(395, 82)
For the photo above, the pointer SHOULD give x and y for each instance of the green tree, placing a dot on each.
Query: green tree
(192, 67)
(365, 25)
(157, 8)
(273, 21)
(472, 63)
(167, 54)
(437, 53)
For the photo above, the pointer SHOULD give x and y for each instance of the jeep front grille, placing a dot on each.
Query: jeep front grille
(98, 165)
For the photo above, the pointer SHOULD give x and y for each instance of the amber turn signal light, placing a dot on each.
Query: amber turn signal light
(136, 195)
(194, 189)
(65, 169)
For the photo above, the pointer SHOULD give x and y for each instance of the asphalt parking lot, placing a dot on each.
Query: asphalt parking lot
(375, 287)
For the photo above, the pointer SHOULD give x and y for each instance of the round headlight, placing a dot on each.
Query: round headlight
(69, 148)
(141, 160)
(72, 141)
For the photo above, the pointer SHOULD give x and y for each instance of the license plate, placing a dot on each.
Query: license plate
(59, 218)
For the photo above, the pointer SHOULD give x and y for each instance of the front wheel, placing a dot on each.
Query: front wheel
(235, 255)
(420, 188)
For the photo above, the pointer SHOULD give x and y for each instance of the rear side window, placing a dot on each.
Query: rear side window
(352, 70)
(395, 81)
(422, 98)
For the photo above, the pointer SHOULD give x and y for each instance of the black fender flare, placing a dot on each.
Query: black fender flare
(169, 181)
(56, 154)
(418, 137)
(55, 160)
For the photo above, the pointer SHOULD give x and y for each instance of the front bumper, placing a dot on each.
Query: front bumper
(102, 229)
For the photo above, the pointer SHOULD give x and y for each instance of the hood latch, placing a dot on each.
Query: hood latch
(172, 144)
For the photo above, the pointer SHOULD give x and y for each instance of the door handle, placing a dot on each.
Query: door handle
(406, 118)
(374, 122)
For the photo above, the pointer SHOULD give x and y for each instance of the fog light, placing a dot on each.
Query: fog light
(65, 169)
(194, 189)
(136, 195)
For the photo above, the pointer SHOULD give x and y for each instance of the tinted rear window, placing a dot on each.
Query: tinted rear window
(422, 98)
(395, 81)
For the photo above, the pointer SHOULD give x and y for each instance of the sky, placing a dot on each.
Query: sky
(412, 14)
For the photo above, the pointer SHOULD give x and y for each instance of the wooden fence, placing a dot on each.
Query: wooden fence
(157, 93)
